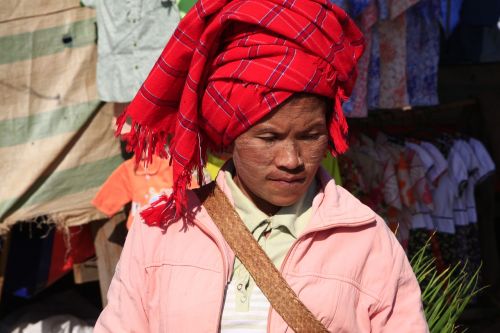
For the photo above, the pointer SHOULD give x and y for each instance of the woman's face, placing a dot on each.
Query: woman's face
(277, 158)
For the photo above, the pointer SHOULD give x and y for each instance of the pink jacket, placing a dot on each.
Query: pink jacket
(346, 267)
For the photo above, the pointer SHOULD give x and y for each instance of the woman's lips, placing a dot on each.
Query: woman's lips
(292, 181)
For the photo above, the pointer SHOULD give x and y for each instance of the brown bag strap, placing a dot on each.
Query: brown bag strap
(255, 260)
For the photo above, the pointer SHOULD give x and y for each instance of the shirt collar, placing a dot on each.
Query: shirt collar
(253, 217)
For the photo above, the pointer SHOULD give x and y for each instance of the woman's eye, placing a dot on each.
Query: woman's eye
(311, 136)
(269, 138)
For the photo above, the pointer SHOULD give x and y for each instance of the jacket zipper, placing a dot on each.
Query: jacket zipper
(283, 264)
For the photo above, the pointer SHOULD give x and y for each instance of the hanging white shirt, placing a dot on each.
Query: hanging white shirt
(131, 36)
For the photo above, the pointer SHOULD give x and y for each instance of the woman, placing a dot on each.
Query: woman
(264, 80)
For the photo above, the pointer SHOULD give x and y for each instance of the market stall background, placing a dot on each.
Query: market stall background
(56, 138)
(58, 147)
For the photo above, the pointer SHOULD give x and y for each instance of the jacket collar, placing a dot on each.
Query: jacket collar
(333, 206)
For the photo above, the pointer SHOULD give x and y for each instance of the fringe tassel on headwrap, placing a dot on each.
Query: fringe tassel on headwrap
(168, 208)
(145, 143)
(142, 140)
(338, 128)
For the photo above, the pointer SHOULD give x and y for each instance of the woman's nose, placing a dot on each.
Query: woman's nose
(288, 156)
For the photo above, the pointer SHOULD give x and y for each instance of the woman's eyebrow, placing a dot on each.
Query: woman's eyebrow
(266, 128)
(314, 126)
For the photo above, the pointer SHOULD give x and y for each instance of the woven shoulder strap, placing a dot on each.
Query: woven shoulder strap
(255, 260)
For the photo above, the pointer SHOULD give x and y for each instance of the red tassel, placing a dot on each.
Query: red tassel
(146, 142)
(120, 121)
(154, 215)
(171, 208)
(339, 128)
(143, 141)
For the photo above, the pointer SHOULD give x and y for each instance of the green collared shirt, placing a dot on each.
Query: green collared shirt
(275, 234)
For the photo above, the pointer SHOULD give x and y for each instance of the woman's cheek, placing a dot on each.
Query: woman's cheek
(251, 160)
(314, 153)
(254, 153)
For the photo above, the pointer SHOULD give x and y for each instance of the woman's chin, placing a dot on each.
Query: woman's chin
(284, 201)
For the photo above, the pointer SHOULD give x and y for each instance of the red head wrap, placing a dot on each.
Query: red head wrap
(228, 64)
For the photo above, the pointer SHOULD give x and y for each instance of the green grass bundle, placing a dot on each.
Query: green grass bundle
(444, 294)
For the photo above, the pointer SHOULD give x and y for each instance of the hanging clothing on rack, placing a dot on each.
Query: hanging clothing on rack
(420, 163)
(357, 106)
(435, 182)
(399, 67)
(449, 15)
(422, 56)
(131, 36)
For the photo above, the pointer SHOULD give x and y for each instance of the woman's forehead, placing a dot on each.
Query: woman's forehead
(305, 108)
(305, 99)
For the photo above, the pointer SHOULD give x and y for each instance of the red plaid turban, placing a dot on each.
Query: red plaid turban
(228, 64)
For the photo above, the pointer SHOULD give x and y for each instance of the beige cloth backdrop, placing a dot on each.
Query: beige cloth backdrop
(56, 140)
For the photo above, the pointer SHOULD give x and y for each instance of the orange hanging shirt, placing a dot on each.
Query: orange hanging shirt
(136, 184)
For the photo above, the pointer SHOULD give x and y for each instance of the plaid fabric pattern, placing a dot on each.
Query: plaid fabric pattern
(228, 64)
